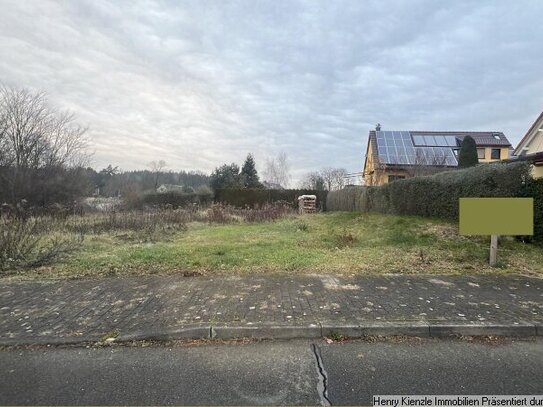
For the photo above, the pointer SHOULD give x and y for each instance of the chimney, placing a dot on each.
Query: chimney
(378, 127)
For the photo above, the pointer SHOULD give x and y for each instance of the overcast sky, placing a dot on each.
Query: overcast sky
(201, 83)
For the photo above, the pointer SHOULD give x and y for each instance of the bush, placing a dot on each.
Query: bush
(22, 244)
(535, 190)
(438, 195)
(252, 198)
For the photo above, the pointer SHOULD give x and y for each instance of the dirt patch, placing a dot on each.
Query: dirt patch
(333, 283)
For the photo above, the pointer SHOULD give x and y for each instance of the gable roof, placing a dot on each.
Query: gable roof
(530, 134)
(430, 148)
(482, 138)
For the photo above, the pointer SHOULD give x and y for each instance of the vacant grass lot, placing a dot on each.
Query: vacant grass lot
(340, 242)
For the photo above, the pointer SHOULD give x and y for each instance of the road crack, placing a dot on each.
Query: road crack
(322, 385)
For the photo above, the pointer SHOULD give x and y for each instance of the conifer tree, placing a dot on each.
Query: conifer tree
(249, 175)
(467, 157)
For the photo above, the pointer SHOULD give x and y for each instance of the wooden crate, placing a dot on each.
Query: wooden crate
(307, 204)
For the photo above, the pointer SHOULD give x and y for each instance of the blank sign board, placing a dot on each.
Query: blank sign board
(497, 216)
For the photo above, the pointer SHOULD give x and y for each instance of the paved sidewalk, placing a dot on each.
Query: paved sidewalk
(268, 306)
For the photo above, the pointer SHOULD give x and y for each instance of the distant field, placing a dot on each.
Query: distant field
(347, 243)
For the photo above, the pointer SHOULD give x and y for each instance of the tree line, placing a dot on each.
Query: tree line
(276, 176)
(44, 159)
(111, 181)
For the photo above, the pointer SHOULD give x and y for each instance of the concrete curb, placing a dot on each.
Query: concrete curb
(60, 340)
(483, 330)
(267, 331)
(310, 331)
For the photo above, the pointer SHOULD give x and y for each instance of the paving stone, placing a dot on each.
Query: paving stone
(166, 305)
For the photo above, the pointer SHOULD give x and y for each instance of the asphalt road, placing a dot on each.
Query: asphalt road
(268, 372)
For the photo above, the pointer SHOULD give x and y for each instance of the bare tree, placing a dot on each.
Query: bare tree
(313, 180)
(35, 138)
(277, 170)
(283, 166)
(157, 167)
(334, 178)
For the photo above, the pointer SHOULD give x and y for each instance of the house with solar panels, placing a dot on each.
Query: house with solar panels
(393, 155)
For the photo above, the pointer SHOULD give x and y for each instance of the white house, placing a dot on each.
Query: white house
(164, 188)
(531, 146)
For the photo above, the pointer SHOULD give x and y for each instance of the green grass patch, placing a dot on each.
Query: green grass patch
(338, 242)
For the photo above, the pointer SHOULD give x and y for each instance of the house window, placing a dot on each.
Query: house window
(495, 154)
(395, 177)
(481, 153)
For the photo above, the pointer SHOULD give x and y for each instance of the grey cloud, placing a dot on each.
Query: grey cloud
(200, 83)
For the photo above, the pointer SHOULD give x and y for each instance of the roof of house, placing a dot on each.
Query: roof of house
(530, 134)
(534, 158)
(482, 138)
(435, 148)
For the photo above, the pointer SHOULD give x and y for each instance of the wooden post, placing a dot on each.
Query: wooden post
(493, 249)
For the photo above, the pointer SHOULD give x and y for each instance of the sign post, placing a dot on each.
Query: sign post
(493, 250)
(496, 216)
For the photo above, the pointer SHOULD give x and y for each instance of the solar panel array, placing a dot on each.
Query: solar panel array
(398, 147)
(434, 140)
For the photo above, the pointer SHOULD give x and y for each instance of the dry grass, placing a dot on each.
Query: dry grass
(229, 241)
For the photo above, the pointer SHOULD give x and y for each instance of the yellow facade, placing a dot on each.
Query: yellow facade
(376, 173)
(504, 154)
(381, 176)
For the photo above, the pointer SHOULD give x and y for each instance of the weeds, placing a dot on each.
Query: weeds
(219, 214)
(112, 244)
(135, 221)
(335, 337)
(267, 213)
(33, 241)
(345, 239)
(23, 245)
(423, 259)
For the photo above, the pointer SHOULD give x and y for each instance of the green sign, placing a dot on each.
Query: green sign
(496, 216)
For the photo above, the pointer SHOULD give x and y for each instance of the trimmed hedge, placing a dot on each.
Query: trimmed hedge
(437, 195)
(535, 189)
(257, 197)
